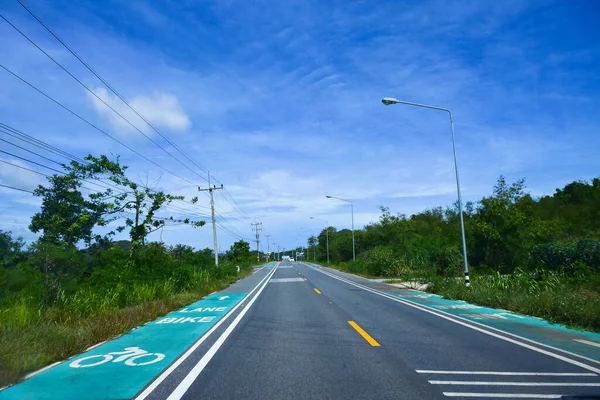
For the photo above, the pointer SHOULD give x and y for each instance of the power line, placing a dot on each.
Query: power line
(32, 152)
(98, 97)
(91, 124)
(30, 161)
(45, 146)
(17, 134)
(15, 188)
(112, 89)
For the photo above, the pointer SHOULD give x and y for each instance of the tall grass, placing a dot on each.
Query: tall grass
(552, 295)
(33, 335)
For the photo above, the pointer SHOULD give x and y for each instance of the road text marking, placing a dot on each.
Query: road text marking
(185, 384)
(318, 291)
(284, 280)
(156, 382)
(587, 342)
(364, 334)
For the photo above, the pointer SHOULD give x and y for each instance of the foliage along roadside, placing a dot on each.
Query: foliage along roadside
(535, 256)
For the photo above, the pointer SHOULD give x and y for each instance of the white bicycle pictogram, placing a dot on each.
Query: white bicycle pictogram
(130, 356)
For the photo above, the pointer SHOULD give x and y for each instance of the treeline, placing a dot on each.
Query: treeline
(55, 271)
(76, 285)
(507, 230)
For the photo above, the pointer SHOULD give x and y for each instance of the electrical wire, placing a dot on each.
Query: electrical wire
(15, 188)
(43, 145)
(91, 124)
(99, 98)
(112, 89)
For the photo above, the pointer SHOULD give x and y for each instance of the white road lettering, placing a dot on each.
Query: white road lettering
(205, 309)
(186, 319)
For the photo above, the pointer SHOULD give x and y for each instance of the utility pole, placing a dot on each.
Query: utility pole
(268, 247)
(257, 227)
(212, 211)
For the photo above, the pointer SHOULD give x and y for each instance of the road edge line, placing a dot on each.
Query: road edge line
(467, 323)
(191, 376)
(175, 364)
(472, 322)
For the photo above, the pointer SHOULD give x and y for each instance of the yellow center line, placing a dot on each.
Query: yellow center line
(304, 278)
(318, 291)
(364, 334)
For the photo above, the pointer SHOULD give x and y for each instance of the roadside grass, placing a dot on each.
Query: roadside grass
(31, 338)
(553, 296)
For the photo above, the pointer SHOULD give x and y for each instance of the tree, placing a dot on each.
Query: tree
(67, 216)
(239, 252)
(10, 249)
(139, 201)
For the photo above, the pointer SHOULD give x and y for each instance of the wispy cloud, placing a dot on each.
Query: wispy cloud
(161, 109)
(281, 100)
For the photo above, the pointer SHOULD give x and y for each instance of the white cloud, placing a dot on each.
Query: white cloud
(161, 109)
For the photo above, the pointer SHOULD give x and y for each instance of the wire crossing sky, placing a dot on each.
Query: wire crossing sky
(281, 101)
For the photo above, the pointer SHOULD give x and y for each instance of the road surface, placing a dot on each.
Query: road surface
(298, 331)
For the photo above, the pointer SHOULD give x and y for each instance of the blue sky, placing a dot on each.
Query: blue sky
(281, 101)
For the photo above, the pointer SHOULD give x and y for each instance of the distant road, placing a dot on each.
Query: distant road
(296, 331)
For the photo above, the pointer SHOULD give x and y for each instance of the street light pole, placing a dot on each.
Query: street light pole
(389, 101)
(352, 211)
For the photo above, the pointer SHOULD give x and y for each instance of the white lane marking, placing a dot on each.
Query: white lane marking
(587, 342)
(487, 326)
(150, 388)
(189, 379)
(223, 297)
(505, 395)
(482, 383)
(495, 329)
(422, 371)
(284, 280)
(468, 324)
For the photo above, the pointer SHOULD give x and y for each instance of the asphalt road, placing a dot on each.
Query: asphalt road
(308, 335)
(301, 331)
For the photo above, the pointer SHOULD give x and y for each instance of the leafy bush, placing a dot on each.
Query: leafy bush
(568, 256)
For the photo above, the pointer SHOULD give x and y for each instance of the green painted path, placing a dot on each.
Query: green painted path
(583, 343)
(131, 361)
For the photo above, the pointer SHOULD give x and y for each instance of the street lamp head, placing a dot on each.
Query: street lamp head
(328, 197)
(312, 217)
(389, 100)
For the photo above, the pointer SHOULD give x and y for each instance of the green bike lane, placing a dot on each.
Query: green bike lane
(579, 343)
(120, 368)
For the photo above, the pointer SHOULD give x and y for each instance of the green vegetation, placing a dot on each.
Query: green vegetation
(536, 256)
(57, 299)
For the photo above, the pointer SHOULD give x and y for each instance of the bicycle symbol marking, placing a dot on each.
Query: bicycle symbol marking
(130, 356)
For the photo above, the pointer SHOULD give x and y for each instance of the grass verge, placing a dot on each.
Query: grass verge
(554, 298)
(59, 334)
(551, 295)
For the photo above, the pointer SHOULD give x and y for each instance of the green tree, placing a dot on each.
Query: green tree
(239, 252)
(139, 201)
(67, 216)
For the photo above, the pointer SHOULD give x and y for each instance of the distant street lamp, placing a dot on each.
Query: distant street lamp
(326, 235)
(352, 210)
(389, 101)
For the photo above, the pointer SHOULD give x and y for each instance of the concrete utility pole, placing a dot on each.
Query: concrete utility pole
(268, 247)
(212, 210)
(257, 227)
